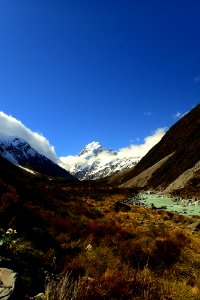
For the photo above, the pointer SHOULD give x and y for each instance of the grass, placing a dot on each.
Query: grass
(70, 240)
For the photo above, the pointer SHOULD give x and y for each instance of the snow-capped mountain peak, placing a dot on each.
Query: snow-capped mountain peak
(20, 153)
(95, 162)
(91, 149)
(6, 140)
(15, 149)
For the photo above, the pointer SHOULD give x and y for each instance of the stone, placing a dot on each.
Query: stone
(120, 206)
(7, 283)
(39, 296)
(195, 226)
(153, 207)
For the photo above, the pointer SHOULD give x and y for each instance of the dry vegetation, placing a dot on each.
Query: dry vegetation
(71, 240)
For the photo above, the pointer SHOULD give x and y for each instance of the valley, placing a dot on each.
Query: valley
(131, 235)
(85, 240)
(99, 150)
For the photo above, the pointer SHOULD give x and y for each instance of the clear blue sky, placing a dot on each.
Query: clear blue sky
(104, 70)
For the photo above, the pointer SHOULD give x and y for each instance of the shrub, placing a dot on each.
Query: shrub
(166, 249)
(64, 288)
(94, 213)
(134, 252)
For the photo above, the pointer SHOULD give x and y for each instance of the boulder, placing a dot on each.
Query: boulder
(120, 206)
(195, 226)
(154, 207)
(7, 283)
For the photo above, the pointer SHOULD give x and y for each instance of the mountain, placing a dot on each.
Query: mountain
(20, 153)
(173, 164)
(95, 162)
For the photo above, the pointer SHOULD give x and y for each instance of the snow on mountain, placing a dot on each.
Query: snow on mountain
(28, 170)
(15, 149)
(20, 153)
(95, 162)
(91, 149)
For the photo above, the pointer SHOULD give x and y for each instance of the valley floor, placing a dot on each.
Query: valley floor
(85, 241)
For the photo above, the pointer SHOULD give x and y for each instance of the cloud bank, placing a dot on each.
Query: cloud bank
(142, 149)
(10, 126)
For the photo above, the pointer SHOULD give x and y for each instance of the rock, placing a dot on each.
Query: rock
(195, 226)
(154, 207)
(119, 206)
(39, 296)
(7, 283)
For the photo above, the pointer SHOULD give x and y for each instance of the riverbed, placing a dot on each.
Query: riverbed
(160, 201)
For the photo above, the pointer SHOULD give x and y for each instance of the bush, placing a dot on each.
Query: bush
(94, 213)
(64, 288)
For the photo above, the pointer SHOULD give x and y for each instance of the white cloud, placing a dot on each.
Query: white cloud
(147, 113)
(70, 161)
(10, 126)
(179, 115)
(131, 141)
(141, 149)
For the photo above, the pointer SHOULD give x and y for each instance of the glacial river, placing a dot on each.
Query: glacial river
(159, 201)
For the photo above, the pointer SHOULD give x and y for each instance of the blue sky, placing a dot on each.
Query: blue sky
(110, 71)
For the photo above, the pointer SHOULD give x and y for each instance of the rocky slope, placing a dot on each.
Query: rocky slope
(95, 162)
(172, 164)
(20, 153)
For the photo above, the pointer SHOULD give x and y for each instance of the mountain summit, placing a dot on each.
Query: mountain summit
(92, 149)
(20, 153)
(94, 162)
